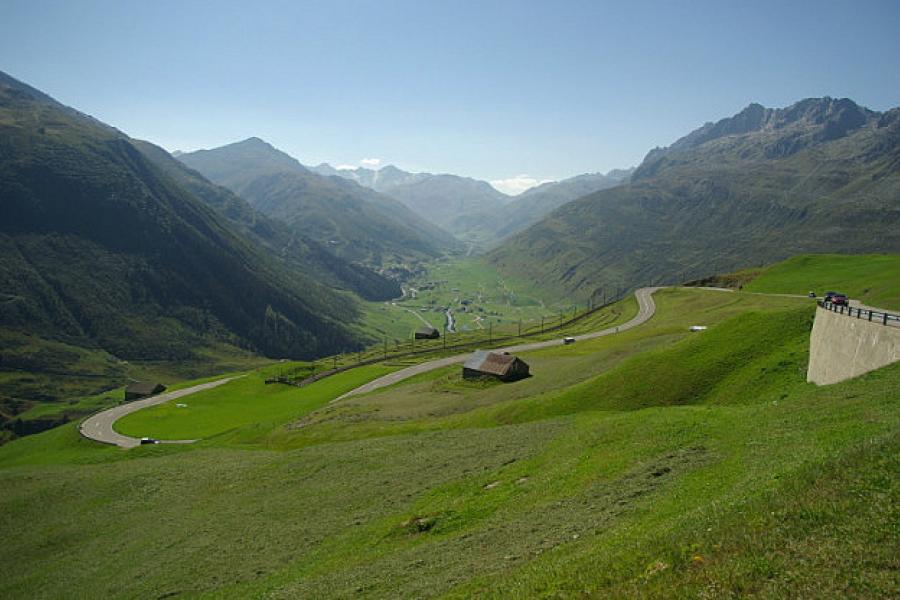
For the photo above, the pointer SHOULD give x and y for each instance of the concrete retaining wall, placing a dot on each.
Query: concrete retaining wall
(843, 347)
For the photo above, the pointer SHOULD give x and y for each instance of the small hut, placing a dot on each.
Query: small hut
(502, 366)
(427, 333)
(142, 389)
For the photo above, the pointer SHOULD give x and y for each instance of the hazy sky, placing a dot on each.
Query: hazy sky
(494, 90)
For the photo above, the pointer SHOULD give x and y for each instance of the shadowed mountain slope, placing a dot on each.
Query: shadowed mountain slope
(298, 252)
(102, 248)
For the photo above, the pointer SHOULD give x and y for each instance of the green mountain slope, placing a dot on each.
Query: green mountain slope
(355, 222)
(820, 176)
(298, 252)
(101, 250)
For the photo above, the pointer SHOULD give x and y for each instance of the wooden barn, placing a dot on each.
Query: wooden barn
(142, 389)
(500, 365)
(427, 333)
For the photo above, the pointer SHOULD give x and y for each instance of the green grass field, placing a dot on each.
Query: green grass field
(479, 297)
(873, 279)
(655, 463)
(243, 401)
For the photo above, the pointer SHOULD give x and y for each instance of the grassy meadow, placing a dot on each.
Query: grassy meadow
(655, 463)
(873, 279)
(478, 295)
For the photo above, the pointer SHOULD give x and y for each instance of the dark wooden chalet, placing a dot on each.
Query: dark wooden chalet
(500, 365)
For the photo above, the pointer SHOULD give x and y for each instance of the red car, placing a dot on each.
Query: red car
(840, 300)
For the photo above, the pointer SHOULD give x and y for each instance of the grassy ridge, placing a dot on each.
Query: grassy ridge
(872, 278)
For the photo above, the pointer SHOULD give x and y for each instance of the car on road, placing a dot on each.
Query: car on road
(148, 440)
(829, 295)
(840, 300)
(811, 294)
(568, 340)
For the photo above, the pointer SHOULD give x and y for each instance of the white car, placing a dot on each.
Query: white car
(568, 340)
(698, 327)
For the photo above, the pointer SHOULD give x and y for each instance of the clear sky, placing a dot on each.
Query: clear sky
(493, 90)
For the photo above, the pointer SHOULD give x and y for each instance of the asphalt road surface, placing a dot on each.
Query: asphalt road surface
(646, 309)
(99, 427)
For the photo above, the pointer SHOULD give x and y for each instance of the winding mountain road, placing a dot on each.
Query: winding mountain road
(646, 309)
(99, 427)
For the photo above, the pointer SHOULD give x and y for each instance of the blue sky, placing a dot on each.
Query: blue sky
(494, 90)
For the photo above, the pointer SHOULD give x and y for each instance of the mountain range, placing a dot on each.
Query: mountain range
(472, 208)
(354, 222)
(822, 175)
(457, 204)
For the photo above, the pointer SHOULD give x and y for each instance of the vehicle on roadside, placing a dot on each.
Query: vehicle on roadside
(811, 294)
(148, 440)
(568, 340)
(829, 295)
(840, 300)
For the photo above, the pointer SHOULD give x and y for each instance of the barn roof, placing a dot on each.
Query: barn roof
(144, 387)
(493, 363)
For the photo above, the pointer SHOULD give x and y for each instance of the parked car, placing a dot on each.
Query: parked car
(568, 340)
(811, 294)
(840, 300)
(829, 296)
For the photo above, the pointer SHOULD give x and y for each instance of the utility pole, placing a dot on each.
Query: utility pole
(490, 332)
(520, 327)
(542, 324)
(385, 346)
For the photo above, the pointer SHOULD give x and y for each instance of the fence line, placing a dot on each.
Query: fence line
(874, 316)
(474, 343)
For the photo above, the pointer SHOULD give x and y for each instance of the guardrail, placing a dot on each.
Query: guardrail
(875, 316)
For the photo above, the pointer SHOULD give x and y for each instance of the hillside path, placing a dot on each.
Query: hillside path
(646, 309)
(99, 427)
